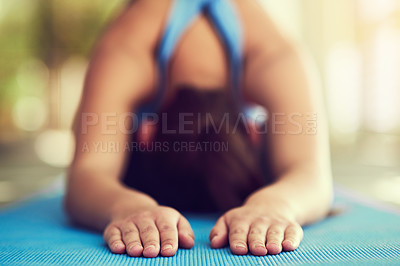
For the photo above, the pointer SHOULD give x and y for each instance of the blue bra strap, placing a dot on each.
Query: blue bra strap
(226, 20)
(183, 13)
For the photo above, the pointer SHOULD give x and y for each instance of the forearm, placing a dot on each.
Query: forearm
(93, 199)
(297, 137)
(302, 191)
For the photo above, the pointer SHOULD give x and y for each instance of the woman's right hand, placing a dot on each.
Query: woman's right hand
(144, 231)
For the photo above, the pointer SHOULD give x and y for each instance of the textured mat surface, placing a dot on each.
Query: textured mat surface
(38, 233)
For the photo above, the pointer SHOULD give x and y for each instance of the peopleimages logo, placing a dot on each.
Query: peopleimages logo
(294, 123)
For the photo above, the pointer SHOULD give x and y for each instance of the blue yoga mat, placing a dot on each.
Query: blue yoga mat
(37, 232)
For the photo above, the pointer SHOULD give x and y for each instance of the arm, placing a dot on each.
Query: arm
(277, 77)
(94, 189)
(299, 153)
(120, 75)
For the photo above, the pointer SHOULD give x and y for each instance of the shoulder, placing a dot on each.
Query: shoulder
(261, 34)
(124, 55)
(139, 25)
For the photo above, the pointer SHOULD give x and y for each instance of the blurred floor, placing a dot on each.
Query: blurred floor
(22, 173)
(371, 167)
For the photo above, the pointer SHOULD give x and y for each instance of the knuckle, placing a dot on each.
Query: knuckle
(255, 231)
(131, 233)
(274, 232)
(147, 229)
(166, 228)
(238, 231)
(129, 229)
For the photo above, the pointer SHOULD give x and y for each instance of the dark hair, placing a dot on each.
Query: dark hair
(220, 175)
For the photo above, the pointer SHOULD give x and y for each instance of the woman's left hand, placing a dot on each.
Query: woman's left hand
(262, 229)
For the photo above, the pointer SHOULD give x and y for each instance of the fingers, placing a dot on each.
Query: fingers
(146, 235)
(293, 237)
(275, 236)
(185, 233)
(112, 236)
(149, 236)
(260, 235)
(256, 238)
(238, 230)
(149, 233)
(219, 234)
(168, 235)
(131, 238)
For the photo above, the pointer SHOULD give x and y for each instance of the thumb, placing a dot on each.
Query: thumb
(219, 234)
(185, 233)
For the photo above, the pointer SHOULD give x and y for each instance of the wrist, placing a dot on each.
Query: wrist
(272, 204)
(125, 206)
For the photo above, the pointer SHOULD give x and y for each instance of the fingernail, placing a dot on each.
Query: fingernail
(288, 241)
(151, 247)
(214, 236)
(166, 247)
(131, 248)
(116, 245)
(259, 246)
(240, 246)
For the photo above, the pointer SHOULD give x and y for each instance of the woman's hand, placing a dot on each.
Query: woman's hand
(143, 231)
(262, 229)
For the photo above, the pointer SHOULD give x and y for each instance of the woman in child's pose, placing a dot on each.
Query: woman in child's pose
(194, 67)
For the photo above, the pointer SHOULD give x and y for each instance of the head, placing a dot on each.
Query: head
(210, 148)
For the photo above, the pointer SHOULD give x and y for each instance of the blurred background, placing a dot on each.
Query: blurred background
(44, 51)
